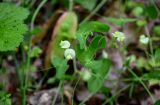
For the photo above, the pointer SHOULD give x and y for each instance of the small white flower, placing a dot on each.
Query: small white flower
(143, 39)
(65, 44)
(119, 36)
(69, 53)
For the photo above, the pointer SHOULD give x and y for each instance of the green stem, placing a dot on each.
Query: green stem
(86, 99)
(71, 5)
(153, 2)
(36, 12)
(31, 4)
(59, 88)
(41, 81)
(142, 83)
(150, 40)
(62, 92)
(26, 70)
(94, 11)
(117, 93)
(75, 89)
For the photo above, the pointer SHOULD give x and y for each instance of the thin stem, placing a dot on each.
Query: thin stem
(71, 5)
(59, 88)
(75, 65)
(153, 2)
(142, 83)
(41, 81)
(86, 99)
(25, 72)
(75, 89)
(150, 40)
(94, 11)
(36, 12)
(117, 93)
(31, 4)
(62, 92)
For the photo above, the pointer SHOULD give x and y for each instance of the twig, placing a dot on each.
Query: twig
(94, 11)
(86, 99)
(117, 93)
(36, 12)
(59, 88)
(71, 5)
(150, 40)
(142, 83)
(75, 88)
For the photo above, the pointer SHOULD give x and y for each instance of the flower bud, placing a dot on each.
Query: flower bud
(65, 44)
(69, 54)
(119, 36)
(143, 39)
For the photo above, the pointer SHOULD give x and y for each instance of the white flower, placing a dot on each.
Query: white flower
(143, 39)
(119, 36)
(69, 53)
(65, 44)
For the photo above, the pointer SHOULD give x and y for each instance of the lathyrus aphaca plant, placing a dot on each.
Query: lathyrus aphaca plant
(69, 43)
(65, 29)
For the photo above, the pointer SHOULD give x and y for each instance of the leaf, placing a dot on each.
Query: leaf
(5, 98)
(35, 52)
(36, 31)
(156, 30)
(51, 80)
(157, 102)
(138, 11)
(97, 43)
(61, 67)
(12, 27)
(100, 69)
(85, 3)
(151, 11)
(157, 54)
(152, 75)
(87, 28)
(120, 21)
(86, 55)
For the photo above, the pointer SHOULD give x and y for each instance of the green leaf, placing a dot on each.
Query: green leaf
(87, 29)
(35, 52)
(152, 75)
(97, 43)
(51, 80)
(85, 3)
(157, 54)
(100, 69)
(157, 102)
(5, 98)
(138, 11)
(120, 21)
(151, 11)
(61, 67)
(36, 30)
(12, 27)
(86, 55)
(156, 30)
(95, 83)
